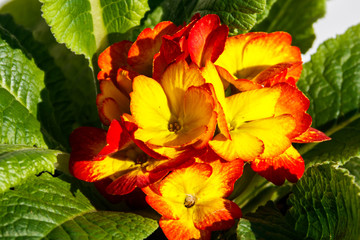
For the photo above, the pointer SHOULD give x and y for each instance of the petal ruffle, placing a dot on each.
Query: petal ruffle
(183, 230)
(288, 165)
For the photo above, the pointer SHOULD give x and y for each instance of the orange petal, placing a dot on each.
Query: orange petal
(111, 102)
(182, 230)
(216, 214)
(207, 39)
(148, 43)
(113, 58)
(288, 165)
(176, 80)
(293, 101)
(311, 135)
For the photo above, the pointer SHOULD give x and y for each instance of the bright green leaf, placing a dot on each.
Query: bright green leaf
(45, 207)
(331, 80)
(104, 225)
(326, 204)
(21, 83)
(86, 25)
(18, 162)
(295, 17)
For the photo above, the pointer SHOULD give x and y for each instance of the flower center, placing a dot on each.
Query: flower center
(189, 200)
(174, 127)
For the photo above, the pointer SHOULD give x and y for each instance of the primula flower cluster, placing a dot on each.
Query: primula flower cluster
(174, 133)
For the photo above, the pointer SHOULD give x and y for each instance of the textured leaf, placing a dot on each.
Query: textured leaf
(18, 162)
(85, 25)
(243, 231)
(267, 223)
(239, 15)
(326, 204)
(46, 207)
(20, 90)
(295, 17)
(69, 81)
(331, 80)
(353, 165)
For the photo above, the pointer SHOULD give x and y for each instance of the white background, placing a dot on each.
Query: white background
(340, 15)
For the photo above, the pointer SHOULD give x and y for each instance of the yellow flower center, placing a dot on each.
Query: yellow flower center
(189, 200)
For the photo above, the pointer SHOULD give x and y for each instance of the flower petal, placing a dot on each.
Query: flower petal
(113, 58)
(149, 107)
(216, 214)
(111, 102)
(148, 43)
(311, 135)
(241, 146)
(288, 165)
(207, 39)
(182, 230)
(177, 78)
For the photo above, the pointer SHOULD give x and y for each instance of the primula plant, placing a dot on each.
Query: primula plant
(177, 120)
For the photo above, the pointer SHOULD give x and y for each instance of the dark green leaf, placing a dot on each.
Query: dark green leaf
(295, 17)
(56, 208)
(331, 80)
(239, 15)
(267, 223)
(326, 204)
(18, 162)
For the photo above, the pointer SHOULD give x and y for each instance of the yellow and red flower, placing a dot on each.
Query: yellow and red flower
(177, 112)
(97, 155)
(192, 200)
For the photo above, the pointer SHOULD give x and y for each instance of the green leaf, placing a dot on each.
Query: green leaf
(239, 15)
(331, 80)
(243, 230)
(20, 89)
(70, 84)
(46, 207)
(353, 165)
(326, 204)
(86, 25)
(18, 162)
(295, 17)
(104, 225)
(267, 223)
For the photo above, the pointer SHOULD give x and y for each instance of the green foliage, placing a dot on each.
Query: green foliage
(86, 25)
(326, 204)
(353, 165)
(18, 162)
(20, 91)
(239, 15)
(267, 223)
(45, 207)
(331, 82)
(295, 17)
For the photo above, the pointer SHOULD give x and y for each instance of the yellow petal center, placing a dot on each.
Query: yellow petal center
(189, 200)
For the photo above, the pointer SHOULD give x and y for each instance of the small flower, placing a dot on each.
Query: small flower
(176, 112)
(97, 155)
(253, 60)
(192, 200)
